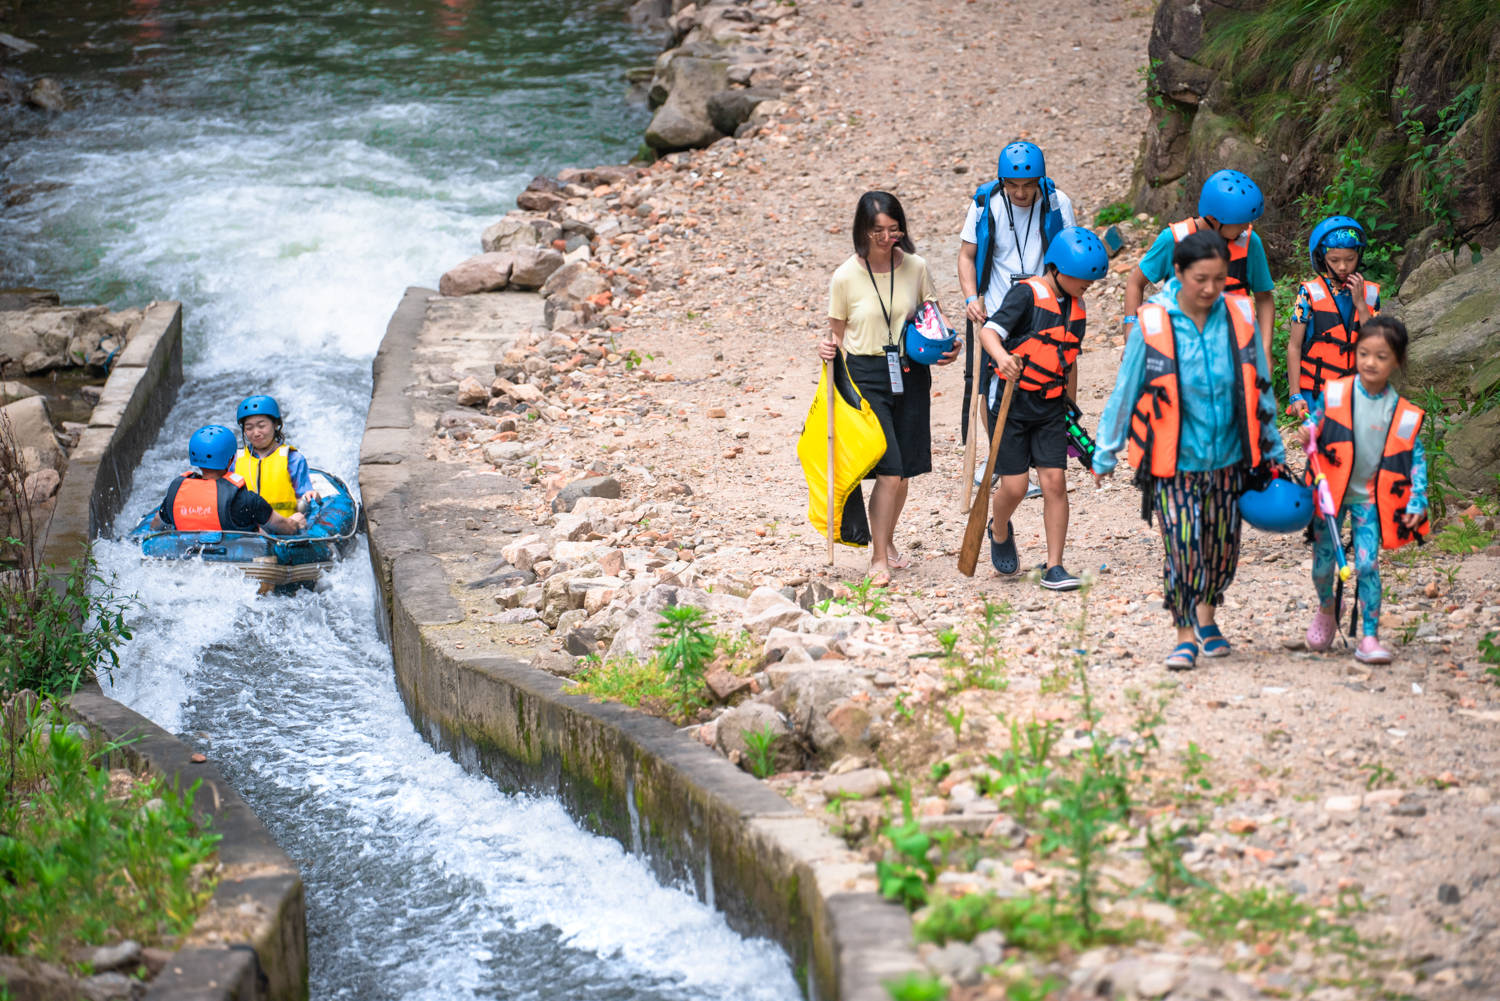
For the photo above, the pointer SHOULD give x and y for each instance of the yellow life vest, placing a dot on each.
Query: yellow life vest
(270, 477)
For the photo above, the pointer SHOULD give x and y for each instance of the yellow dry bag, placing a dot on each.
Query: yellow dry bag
(859, 443)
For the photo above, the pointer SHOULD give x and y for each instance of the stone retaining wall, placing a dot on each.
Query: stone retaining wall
(140, 390)
(250, 940)
(688, 811)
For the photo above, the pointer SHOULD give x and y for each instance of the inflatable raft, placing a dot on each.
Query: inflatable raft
(276, 561)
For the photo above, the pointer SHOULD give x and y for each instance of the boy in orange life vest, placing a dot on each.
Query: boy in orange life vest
(1372, 456)
(1034, 338)
(214, 499)
(1329, 310)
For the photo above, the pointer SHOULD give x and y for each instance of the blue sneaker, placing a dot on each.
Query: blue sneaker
(1058, 579)
(1003, 554)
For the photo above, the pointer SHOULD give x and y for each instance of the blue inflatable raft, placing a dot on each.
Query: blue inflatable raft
(276, 561)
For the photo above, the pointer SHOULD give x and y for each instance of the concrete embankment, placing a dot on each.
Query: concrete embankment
(771, 869)
(250, 940)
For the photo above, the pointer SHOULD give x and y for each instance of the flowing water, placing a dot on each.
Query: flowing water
(286, 169)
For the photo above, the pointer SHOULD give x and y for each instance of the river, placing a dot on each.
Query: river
(286, 169)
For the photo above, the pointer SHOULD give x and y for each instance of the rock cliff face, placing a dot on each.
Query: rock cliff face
(1455, 348)
(1209, 110)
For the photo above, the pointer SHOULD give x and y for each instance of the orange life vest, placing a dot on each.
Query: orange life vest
(1328, 347)
(1239, 255)
(1048, 352)
(203, 505)
(1391, 485)
(1156, 422)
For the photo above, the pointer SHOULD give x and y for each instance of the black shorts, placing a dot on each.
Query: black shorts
(1036, 434)
(905, 419)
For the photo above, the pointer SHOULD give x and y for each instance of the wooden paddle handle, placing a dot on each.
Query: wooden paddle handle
(971, 446)
(968, 556)
(831, 513)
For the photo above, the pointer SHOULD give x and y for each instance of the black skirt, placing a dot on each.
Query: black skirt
(905, 419)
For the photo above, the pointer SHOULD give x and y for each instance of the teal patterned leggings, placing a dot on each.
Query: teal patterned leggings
(1366, 561)
(1199, 515)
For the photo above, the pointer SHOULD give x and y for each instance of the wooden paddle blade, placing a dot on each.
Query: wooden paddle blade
(968, 556)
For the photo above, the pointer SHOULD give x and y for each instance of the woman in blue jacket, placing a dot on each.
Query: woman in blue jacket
(1193, 402)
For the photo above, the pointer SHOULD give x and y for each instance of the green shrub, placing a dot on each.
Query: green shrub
(81, 863)
(59, 628)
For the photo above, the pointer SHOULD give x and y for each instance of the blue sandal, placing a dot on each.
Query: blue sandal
(1003, 554)
(1184, 657)
(1214, 643)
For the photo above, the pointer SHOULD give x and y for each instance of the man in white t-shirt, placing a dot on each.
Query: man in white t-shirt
(1009, 224)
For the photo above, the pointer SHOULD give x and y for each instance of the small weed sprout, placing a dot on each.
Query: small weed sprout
(760, 744)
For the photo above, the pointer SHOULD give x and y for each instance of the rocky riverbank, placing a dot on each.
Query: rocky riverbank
(53, 363)
(646, 429)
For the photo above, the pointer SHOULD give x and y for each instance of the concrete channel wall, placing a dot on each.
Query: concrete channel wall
(250, 940)
(693, 816)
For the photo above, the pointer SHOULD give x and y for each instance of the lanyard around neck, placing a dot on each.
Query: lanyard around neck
(890, 337)
(1016, 237)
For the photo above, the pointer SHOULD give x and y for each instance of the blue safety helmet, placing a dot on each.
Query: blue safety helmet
(212, 447)
(1022, 160)
(1078, 253)
(1335, 232)
(1283, 506)
(263, 406)
(1230, 198)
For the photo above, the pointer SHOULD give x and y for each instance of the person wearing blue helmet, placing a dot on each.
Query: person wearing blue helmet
(1034, 338)
(1010, 223)
(1228, 204)
(1193, 405)
(270, 466)
(213, 499)
(1329, 311)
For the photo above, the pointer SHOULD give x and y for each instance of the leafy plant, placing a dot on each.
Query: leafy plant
(916, 987)
(1377, 775)
(759, 743)
(955, 722)
(1462, 538)
(82, 863)
(1489, 653)
(684, 655)
(1112, 213)
(56, 637)
(1037, 924)
(871, 599)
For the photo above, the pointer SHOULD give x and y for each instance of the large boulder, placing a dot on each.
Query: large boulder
(757, 718)
(1473, 448)
(728, 109)
(532, 266)
(11, 391)
(484, 273)
(30, 428)
(513, 232)
(823, 704)
(1455, 332)
(684, 122)
(573, 284)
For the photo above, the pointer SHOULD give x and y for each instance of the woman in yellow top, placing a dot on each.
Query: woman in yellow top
(268, 465)
(870, 298)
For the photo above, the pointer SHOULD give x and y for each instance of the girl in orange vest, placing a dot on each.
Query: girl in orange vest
(1372, 456)
(1328, 313)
